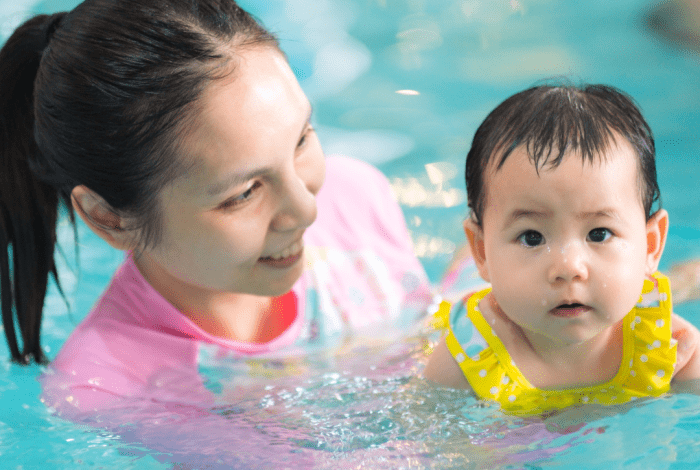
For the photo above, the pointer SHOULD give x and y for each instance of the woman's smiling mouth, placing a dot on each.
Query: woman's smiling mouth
(285, 258)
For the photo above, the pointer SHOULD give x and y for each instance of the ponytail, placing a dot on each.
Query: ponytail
(28, 206)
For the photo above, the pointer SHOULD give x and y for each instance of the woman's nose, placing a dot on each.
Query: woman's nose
(568, 264)
(298, 200)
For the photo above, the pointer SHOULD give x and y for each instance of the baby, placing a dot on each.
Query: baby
(561, 181)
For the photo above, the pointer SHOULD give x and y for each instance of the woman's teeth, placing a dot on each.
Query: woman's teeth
(292, 250)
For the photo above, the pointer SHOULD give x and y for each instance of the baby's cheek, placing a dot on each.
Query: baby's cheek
(519, 302)
(621, 291)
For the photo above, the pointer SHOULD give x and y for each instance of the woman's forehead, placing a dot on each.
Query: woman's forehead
(251, 115)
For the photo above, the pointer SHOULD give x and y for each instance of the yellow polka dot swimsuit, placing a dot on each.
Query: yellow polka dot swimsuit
(649, 356)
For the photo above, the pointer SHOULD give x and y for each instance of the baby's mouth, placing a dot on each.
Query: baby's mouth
(570, 310)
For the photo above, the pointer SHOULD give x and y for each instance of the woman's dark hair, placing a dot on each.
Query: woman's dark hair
(551, 120)
(100, 96)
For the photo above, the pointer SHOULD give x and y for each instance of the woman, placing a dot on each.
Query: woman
(177, 132)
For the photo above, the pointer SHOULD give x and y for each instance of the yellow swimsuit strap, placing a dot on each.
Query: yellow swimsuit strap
(647, 365)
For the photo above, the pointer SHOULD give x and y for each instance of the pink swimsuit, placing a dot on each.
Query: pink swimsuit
(361, 271)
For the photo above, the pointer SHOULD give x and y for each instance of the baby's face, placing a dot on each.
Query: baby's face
(566, 250)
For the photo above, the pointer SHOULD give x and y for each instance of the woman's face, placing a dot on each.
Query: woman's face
(235, 222)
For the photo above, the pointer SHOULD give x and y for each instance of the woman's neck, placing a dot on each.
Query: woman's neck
(239, 317)
(230, 315)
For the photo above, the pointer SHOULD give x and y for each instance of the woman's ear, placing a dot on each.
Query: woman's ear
(101, 218)
(475, 236)
(657, 229)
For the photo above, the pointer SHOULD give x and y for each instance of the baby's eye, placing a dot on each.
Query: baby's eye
(599, 235)
(531, 238)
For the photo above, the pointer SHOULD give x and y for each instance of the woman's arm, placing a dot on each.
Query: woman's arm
(685, 281)
(686, 377)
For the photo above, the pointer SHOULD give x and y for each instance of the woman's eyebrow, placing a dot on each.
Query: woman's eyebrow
(234, 179)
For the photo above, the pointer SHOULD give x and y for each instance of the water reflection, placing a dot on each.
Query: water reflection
(358, 60)
(427, 246)
(408, 92)
(435, 192)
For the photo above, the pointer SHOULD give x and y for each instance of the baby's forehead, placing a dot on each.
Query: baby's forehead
(521, 160)
(549, 155)
(576, 190)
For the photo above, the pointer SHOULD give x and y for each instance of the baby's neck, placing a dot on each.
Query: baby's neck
(558, 365)
(550, 364)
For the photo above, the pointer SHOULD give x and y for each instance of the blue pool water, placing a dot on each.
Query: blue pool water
(402, 84)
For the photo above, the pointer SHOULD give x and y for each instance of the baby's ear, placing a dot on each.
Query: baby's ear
(475, 236)
(657, 228)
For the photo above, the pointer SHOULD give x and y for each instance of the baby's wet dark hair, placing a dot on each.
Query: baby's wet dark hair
(550, 121)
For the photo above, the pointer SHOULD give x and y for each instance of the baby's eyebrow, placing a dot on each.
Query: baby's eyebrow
(599, 214)
(518, 214)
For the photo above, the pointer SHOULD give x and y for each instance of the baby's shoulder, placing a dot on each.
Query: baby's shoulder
(464, 327)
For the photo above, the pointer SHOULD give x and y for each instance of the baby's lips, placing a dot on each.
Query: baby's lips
(569, 309)
(570, 305)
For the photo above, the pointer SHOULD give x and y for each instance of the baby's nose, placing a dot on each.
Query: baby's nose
(568, 263)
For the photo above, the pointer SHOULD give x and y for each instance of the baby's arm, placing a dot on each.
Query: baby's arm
(686, 377)
(443, 369)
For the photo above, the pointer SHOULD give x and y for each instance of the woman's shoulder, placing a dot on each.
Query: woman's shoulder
(129, 312)
(112, 354)
(360, 191)
(353, 181)
(359, 248)
(355, 205)
(348, 168)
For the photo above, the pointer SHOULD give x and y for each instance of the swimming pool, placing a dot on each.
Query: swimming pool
(402, 84)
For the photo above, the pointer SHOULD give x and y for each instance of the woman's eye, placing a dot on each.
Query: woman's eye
(304, 137)
(598, 235)
(531, 238)
(235, 201)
